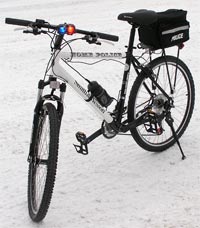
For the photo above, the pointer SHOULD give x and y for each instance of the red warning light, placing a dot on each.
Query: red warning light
(70, 29)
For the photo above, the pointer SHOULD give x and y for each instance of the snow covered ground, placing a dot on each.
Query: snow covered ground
(118, 184)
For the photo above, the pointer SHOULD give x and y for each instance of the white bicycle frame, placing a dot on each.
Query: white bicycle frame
(59, 71)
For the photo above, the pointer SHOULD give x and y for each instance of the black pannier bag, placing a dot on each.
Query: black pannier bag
(169, 30)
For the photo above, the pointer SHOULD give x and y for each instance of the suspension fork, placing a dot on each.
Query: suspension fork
(40, 101)
(53, 85)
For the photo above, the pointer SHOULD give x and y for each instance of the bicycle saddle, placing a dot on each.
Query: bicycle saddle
(139, 17)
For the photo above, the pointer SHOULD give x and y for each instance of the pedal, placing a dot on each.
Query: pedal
(82, 139)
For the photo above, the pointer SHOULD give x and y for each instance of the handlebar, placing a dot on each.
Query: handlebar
(43, 24)
(20, 22)
(100, 35)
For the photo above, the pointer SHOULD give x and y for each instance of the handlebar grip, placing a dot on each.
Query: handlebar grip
(14, 21)
(107, 36)
(99, 34)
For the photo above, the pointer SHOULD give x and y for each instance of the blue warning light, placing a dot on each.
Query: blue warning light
(62, 30)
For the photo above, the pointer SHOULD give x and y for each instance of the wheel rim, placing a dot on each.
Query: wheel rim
(40, 163)
(181, 98)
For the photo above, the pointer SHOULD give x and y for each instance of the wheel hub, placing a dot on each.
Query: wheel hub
(159, 104)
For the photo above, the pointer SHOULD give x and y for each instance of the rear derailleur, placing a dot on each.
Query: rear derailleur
(154, 125)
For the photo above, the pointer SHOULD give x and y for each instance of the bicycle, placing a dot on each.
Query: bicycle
(160, 103)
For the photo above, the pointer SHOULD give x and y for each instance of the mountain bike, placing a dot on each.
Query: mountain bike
(160, 103)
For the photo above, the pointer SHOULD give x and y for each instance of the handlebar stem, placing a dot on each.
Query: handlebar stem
(58, 42)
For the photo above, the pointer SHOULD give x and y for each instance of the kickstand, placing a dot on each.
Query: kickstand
(170, 121)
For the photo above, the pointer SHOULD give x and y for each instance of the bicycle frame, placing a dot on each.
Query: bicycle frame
(111, 120)
(59, 71)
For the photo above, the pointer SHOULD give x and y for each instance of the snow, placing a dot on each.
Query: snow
(118, 184)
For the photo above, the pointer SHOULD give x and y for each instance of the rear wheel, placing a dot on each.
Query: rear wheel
(43, 161)
(146, 97)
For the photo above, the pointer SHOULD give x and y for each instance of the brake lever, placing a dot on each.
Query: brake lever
(97, 42)
(34, 31)
(18, 29)
(92, 39)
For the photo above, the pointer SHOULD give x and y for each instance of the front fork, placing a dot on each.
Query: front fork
(54, 85)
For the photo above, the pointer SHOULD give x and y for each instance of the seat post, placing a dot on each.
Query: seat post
(131, 42)
(121, 102)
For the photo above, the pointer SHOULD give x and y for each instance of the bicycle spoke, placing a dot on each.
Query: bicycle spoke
(179, 96)
(41, 160)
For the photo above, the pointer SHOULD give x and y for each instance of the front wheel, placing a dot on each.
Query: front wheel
(43, 161)
(176, 80)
